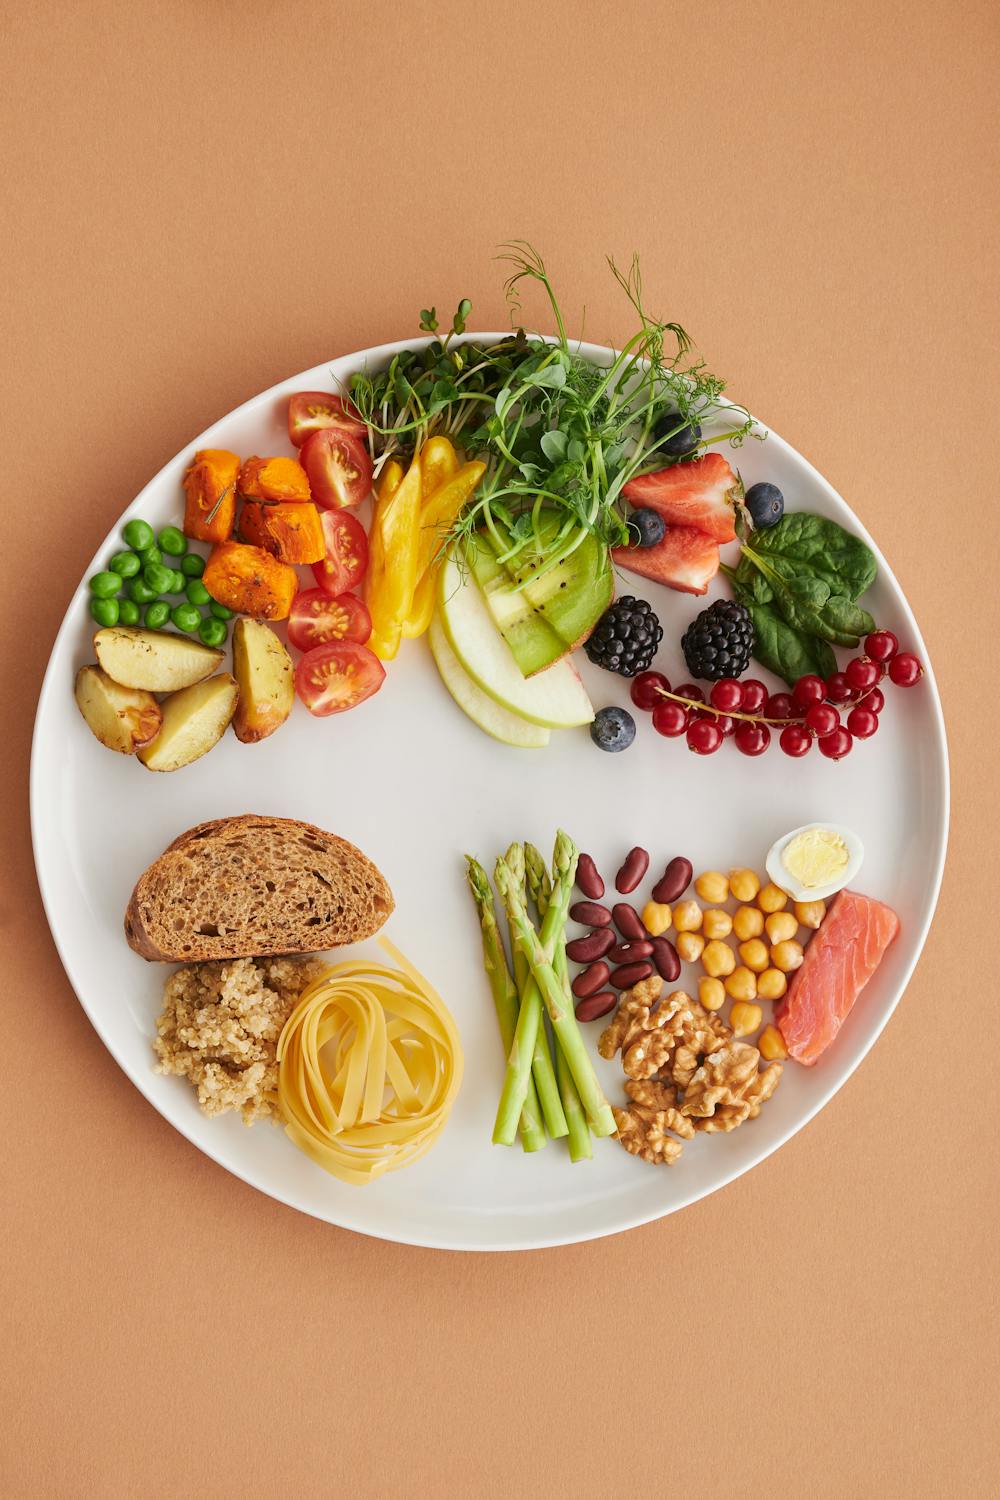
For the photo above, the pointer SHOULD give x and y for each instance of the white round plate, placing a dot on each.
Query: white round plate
(414, 784)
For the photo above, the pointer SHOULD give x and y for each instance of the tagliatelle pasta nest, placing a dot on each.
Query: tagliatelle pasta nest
(369, 1064)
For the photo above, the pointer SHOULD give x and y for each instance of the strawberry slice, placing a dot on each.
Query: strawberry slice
(691, 494)
(686, 559)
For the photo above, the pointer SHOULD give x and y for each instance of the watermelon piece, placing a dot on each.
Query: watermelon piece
(697, 493)
(839, 962)
(686, 559)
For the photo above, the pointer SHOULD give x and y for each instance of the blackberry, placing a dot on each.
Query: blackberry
(719, 641)
(626, 637)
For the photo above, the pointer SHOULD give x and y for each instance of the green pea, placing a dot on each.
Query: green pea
(159, 578)
(220, 611)
(180, 582)
(213, 632)
(157, 614)
(138, 534)
(172, 541)
(125, 564)
(197, 593)
(192, 565)
(186, 617)
(151, 554)
(105, 585)
(128, 613)
(105, 611)
(139, 591)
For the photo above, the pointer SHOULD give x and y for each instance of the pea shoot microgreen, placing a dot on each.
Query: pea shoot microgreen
(557, 431)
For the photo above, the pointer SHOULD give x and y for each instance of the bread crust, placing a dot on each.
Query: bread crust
(362, 917)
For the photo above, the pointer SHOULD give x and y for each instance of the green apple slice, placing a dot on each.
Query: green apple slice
(483, 710)
(555, 698)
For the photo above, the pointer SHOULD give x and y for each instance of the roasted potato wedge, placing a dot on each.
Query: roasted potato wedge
(122, 718)
(153, 659)
(194, 720)
(266, 681)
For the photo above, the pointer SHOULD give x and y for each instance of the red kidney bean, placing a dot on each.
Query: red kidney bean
(673, 882)
(635, 866)
(588, 878)
(627, 953)
(590, 914)
(596, 1006)
(627, 921)
(668, 965)
(630, 974)
(591, 980)
(584, 950)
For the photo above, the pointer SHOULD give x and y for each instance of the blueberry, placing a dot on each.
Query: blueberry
(645, 528)
(680, 443)
(613, 729)
(766, 504)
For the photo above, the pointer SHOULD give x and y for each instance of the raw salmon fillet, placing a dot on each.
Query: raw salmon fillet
(839, 962)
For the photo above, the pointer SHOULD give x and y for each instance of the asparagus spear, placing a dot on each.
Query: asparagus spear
(540, 948)
(540, 890)
(504, 995)
(541, 1061)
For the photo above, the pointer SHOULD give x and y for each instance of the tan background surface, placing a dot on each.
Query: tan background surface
(200, 198)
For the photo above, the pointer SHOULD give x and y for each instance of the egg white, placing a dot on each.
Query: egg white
(782, 877)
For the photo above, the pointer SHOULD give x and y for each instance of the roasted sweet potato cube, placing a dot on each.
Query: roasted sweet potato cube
(210, 495)
(291, 530)
(274, 479)
(250, 581)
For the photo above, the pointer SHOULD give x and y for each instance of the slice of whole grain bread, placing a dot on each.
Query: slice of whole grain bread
(252, 886)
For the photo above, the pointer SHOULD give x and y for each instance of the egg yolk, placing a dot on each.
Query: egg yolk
(816, 857)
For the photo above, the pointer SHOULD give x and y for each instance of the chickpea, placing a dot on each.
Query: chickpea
(771, 985)
(748, 923)
(771, 1044)
(787, 956)
(712, 993)
(716, 923)
(742, 984)
(689, 946)
(781, 926)
(810, 913)
(772, 898)
(718, 959)
(656, 918)
(754, 955)
(687, 916)
(743, 884)
(744, 1018)
(712, 886)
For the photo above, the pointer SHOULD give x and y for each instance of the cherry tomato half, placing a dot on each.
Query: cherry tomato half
(335, 677)
(311, 411)
(346, 560)
(339, 467)
(316, 618)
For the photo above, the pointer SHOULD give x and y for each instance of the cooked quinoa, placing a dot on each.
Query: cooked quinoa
(219, 1028)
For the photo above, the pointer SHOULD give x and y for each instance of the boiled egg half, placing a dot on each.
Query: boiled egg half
(815, 861)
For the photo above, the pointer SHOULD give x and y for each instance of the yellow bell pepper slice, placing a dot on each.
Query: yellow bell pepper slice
(438, 462)
(393, 546)
(386, 485)
(424, 603)
(439, 511)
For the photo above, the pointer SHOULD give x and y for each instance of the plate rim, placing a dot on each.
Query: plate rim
(536, 1241)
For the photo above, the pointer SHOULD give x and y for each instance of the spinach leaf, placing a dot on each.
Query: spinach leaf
(785, 651)
(813, 544)
(844, 615)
